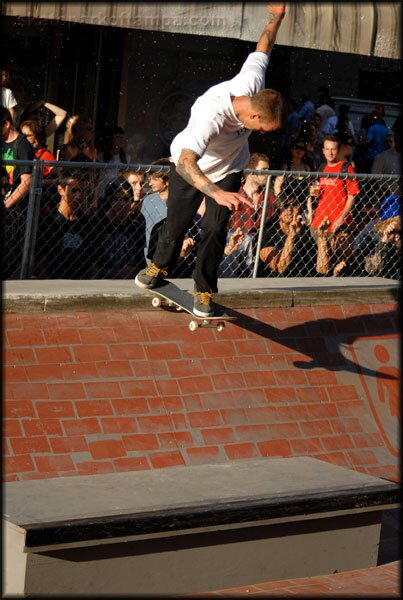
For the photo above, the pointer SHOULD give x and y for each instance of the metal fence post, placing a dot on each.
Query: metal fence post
(262, 223)
(35, 194)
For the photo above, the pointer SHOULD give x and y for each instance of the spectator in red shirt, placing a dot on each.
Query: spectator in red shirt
(337, 194)
(34, 133)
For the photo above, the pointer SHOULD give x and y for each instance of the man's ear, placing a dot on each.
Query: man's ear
(60, 190)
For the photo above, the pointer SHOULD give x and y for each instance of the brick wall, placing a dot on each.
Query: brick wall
(97, 392)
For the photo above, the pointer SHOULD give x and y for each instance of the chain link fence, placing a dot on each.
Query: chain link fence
(101, 221)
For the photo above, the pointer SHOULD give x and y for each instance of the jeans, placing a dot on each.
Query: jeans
(183, 202)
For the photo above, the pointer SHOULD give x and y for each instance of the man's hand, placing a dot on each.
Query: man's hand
(232, 200)
(276, 8)
(323, 228)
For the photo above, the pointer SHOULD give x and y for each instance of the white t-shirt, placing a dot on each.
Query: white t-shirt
(7, 98)
(213, 130)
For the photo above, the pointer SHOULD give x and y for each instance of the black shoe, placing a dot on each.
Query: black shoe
(203, 305)
(150, 277)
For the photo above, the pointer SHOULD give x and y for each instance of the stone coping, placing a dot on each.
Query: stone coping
(64, 295)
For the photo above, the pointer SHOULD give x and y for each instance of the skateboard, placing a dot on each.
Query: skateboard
(168, 294)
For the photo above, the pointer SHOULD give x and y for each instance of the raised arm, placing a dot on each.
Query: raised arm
(59, 116)
(266, 41)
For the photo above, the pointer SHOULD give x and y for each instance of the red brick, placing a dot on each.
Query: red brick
(317, 411)
(18, 408)
(138, 387)
(205, 418)
(343, 392)
(167, 387)
(328, 312)
(145, 368)
(81, 426)
(75, 319)
(312, 394)
(251, 347)
(97, 335)
(54, 463)
(92, 468)
(12, 321)
(367, 439)
(161, 460)
(113, 369)
(53, 354)
(335, 458)
(155, 423)
(228, 381)
(130, 406)
(274, 448)
(18, 464)
(106, 448)
(91, 352)
(191, 385)
(362, 457)
(283, 430)
(11, 428)
(127, 351)
(175, 439)
(192, 403)
(62, 336)
(45, 372)
(118, 425)
(251, 432)
(27, 337)
(106, 389)
(15, 373)
(319, 427)
(201, 456)
(352, 408)
(18, 356)
(233, 416)
(218, 348)
(163, 351)
(259, 379)
(129, 333)
(79, 371)
(55, 409)
(186, 368)
(283, 394)
(236, 451)
(321, 378)
(30, 445)
(66, 391)
(140, 441)
(9, 478)
(218, 435)
(164, 405)
(239, 364)
(131, 463)
(22, 391)
(347, 425)
(93, 408)
(62, 445)
(338, 442)
(286, 377)
(306, 446)
(352, 310)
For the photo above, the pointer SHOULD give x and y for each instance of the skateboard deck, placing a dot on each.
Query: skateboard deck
(167, 293)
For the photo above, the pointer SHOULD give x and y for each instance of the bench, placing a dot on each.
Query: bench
(194, 529)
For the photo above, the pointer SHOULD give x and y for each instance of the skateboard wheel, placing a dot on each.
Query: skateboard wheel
(156, 302)
(193, 325)
(220, 326)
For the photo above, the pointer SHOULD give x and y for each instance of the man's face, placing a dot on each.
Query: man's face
(261, 179)
(330, 151)
(121, 204)
(136, 180)
(341, 243)
(254, 122)
(289, 212)
(157, 184)
(72, 193)
(4, 130)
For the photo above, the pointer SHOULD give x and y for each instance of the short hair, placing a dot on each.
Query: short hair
(271, 105)
(65, 175)
(5, 115)
(331, 137)
(116, 185)
(255, 158)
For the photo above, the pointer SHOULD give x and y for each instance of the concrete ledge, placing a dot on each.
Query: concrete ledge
(64, 295)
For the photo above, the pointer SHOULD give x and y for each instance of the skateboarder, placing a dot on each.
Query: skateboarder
(208, 158)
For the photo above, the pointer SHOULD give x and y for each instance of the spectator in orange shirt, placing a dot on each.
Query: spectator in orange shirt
(35, 135)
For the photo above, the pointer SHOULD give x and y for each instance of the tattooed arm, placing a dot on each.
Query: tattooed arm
(268, 37)
(188, 168)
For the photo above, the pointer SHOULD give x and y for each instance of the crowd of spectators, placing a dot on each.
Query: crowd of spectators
(103, 221)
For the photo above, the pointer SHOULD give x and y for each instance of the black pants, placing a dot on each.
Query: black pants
(183, 202)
